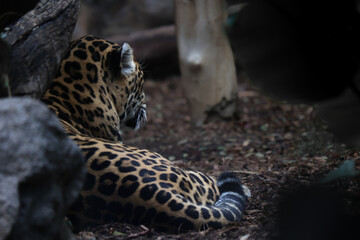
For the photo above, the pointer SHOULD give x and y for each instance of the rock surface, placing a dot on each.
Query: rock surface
(41, 171)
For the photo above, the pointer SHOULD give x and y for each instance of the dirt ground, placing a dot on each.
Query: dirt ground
(272, 146)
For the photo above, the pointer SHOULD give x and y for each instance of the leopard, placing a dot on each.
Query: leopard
(99, 90)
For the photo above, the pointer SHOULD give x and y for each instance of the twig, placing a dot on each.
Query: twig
(247, 172)
(144, 232)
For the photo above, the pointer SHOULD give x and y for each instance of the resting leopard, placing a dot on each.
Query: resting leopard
(99, 88)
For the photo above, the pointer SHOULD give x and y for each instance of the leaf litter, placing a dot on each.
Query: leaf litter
(272, 146)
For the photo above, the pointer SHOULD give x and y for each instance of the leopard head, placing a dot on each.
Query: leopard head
(98, 88)
(129, 87)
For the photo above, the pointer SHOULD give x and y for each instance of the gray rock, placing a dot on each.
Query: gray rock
(41, 171)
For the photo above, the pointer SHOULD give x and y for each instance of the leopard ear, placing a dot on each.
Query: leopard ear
(127, 63)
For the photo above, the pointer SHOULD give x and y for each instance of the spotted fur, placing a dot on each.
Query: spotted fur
(98, 88)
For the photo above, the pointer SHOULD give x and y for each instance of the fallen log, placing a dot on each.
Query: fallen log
(155, 48)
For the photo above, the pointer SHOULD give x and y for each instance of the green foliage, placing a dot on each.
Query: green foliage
(346, 170)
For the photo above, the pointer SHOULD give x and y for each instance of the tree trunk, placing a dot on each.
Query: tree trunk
(206, 60)
(39, 40)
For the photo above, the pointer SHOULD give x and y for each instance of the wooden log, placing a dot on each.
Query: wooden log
(39, 40)
(155, 48)
(206, 60)
(162, 40)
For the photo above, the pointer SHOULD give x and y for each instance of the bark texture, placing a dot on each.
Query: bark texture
(39, 41)
(206, 60)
